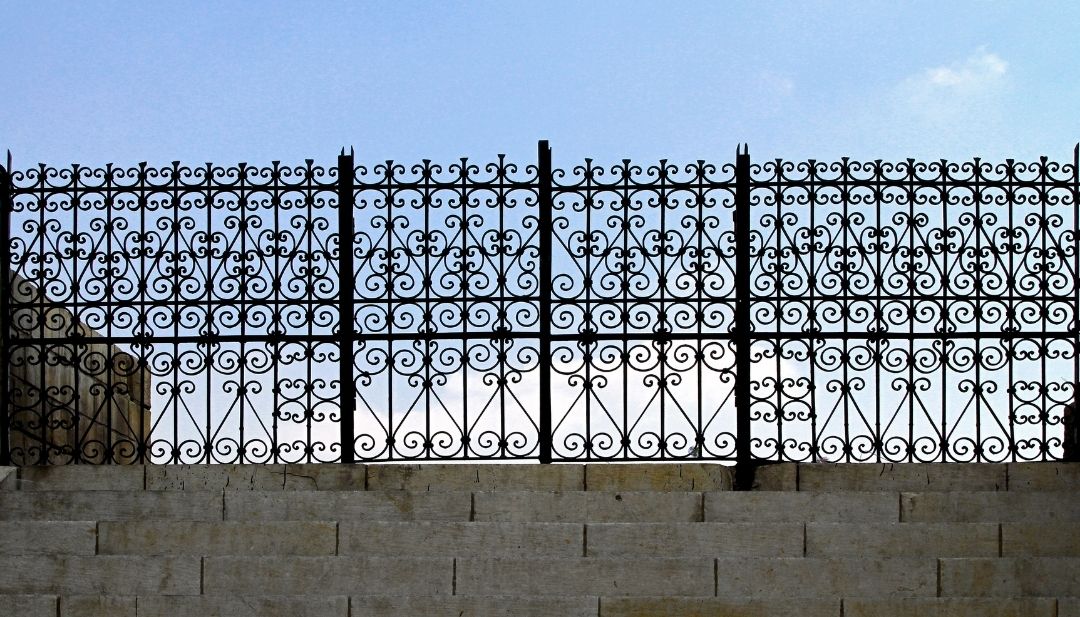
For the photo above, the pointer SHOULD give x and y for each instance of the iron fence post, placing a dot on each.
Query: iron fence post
(7, 191)
(744, 470)
(544, 231)
(346, 289)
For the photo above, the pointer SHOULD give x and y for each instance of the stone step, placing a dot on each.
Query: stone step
(951, 607)
(990, 507)
(110, 505)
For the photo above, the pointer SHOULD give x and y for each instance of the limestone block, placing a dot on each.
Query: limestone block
(329, 575)
(346, 506)
(642, 540)
(779, 578)
(1068, 607)
(461, 539)
(949, 607)
(713, 607)
(789, 507)
(473, 606)
(1011, 577)
(82, 478)
(9, 478)
(925, 477)
(110, 505)
(97, 606)
(218, 538)
(884, 540)
(29, 606)
(47, 537)
(244, 606)
(325, 477)
(778, 477)
(587, 506)
(1046, 539)
(443, 477)
(214, 477)
(992, 507)
(1044, 476)
(103, 575)
(664, 477)
(585, 577)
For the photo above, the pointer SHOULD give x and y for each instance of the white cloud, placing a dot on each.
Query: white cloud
(980, 71)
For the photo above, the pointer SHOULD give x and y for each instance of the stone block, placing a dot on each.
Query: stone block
(1046, 539)
(47, 538)
(461, 539)
(214, 477)
(103, 575)
(325, 477)
(792, 507)
(29, 605)
(346, 506)
(97, 606)
(663, 477)
(990, 507)
(1044, 476)
(110, 505)
(217, 538)
(885, 540)
(949, 607)
(82, 478)
(244, 606)
(924, 477)
(443, 477)
(587, 506)
(329, 575)
(473, 606)
(780, 578)
(642, 540)
(1068, 607)
(585, 577)
(9, 478)
(777, 477)
(1007, 577)
(715, 607)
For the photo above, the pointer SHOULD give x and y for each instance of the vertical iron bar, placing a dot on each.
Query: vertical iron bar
(544, 180)
(7, 191)
(744, 472)
(347, 317)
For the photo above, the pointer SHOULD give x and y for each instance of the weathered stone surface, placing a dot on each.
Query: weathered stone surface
(587, 506)
(642, 540)
(325, 477)
(788, 507)
(715, 607)
(473, 606)
(439, 477)
(82, 478)
(110, 505)
(992, 507)
(663, 477)
(9, 478)
(97, 606)
(1046, 539)
(924, 477)
(825, 578)
(1044, 476)
(585, 577)
(47, 537)
(1068, 607)
(217, 538)
(107, 575)
(214, 477)
(244, 606)
(884, 540)
(346, 506)
(778, 477)
(329, 575)
(29, 606)
(949, 607)
(1011, 577)
(461, 539)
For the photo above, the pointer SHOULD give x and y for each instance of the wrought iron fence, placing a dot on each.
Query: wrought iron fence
(844, 311)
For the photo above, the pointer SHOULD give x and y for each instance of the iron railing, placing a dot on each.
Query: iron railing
(849, 311)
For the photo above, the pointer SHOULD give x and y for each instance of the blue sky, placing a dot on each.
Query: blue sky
(224, 82)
